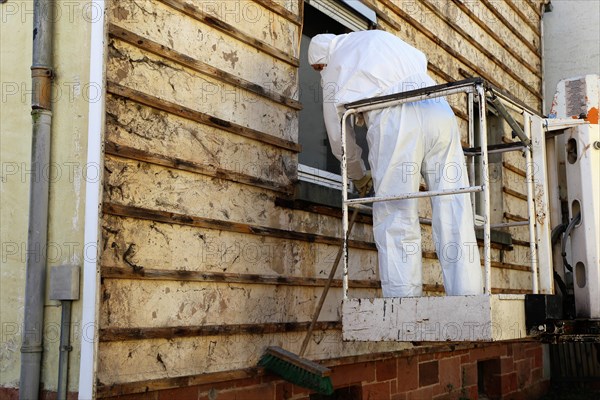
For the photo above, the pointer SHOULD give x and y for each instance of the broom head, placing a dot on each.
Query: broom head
(297, 370)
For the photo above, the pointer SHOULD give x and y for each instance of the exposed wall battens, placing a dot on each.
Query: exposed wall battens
(197, 116)
(449, 49)
(535, 28)
(146, 44)
(497, 38)
(513, 217)
(176, 332)
(514, 169)
(224, 277)
(514, 193)
(477, 44)
(507, 23)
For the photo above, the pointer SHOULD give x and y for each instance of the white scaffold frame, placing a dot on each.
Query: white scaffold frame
(532, 143)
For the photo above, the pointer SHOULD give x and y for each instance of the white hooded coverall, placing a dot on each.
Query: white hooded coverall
(405, 142)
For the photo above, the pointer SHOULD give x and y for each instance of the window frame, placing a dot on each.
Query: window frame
(355, 19)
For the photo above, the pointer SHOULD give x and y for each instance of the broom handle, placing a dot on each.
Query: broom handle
(326, 288)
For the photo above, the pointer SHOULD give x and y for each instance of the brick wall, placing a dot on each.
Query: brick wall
(501, 371)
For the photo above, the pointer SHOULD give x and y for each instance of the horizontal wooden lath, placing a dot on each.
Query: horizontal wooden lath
(513, 217)
(120, 334)
(514, 169)
(190, 166)
(226, 277)
(321, 209)
(193, 115)
(495, 264)
(197, 13)
(156, 48)
(145, 273)
(514, 193)
(182, 219)
(533, 5)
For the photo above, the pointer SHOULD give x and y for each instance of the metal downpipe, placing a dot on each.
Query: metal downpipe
(35, 280)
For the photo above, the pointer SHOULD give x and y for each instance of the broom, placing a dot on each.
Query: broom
(295, 369)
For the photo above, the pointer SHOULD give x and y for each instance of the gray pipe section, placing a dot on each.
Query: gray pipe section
(65, 348)
(35, 279)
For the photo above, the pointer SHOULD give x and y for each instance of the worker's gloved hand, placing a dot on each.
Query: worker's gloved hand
(359, 119)
(365, 184)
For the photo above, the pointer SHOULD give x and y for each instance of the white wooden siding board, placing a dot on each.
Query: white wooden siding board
(452, 318)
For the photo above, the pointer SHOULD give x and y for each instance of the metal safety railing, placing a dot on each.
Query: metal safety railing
(531, 142)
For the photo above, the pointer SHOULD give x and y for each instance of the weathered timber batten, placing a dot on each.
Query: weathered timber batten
(205, 262)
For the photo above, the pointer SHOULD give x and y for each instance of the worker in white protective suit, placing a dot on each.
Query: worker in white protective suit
(405, 142)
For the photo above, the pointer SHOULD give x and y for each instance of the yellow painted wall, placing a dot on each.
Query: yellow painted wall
(67, 172)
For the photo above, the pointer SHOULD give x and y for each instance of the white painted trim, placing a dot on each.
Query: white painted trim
(362, 9)
(89, 342)
(319, 176)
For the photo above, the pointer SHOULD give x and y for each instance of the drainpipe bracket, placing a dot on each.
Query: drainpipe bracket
(41, 96)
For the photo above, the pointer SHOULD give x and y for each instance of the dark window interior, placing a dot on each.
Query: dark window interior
(316, 151)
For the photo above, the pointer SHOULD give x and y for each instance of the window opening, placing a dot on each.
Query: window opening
(317, 164)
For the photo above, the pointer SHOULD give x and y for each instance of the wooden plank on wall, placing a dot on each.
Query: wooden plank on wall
(134, 244)
(183, 219)
(184, 165)
(185, 112)
(121, 334)
(225, 277)
(132, 67)
(131, 124)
